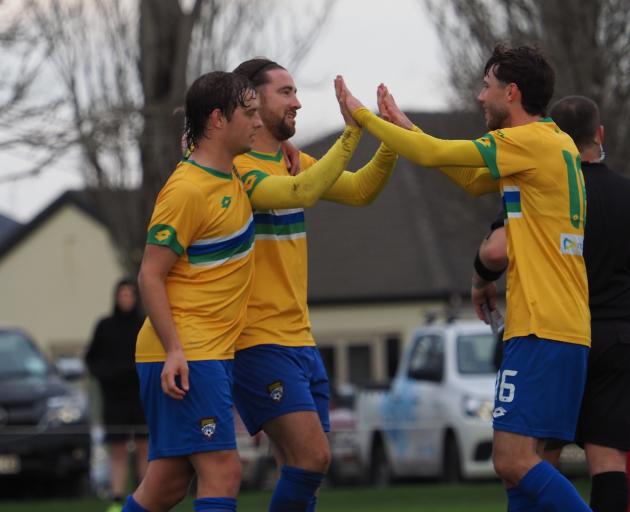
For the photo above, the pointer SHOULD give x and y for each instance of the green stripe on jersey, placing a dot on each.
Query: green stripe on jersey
(489, 154)
(166, 236)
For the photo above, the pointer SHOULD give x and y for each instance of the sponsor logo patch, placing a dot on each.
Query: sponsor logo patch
(498, 412)
(208, 427)
(276, 390)
(571, 244)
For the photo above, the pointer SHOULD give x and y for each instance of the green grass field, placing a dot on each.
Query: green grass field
(477, 497)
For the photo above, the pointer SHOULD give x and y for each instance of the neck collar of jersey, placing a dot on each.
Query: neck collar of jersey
(210, 170)
(274, 157)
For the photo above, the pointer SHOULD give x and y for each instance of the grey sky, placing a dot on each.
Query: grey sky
(368, 41)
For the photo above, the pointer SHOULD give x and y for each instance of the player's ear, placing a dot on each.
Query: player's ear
(216, 119)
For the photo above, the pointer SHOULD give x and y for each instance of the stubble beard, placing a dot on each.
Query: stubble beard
(496, 118)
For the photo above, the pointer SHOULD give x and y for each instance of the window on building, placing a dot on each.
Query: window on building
(328, 357)
(359, 364)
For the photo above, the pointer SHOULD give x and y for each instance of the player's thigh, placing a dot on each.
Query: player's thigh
(271, 381)
(539, 388)
(203, 421)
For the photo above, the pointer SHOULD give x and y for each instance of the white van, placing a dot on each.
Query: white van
(436, 418)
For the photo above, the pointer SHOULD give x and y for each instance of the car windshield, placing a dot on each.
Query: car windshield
(19, 357)
(475, 354)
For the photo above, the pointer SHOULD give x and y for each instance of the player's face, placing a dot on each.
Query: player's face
(279, 104)
(126, 298)
(244, 124)
(493, 99)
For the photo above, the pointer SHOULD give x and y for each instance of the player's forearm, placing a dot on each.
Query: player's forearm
(476, 182)
(305, 189)
(361, 187)
(155, 300)
(419, 147)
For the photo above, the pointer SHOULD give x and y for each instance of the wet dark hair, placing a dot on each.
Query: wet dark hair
(578, 117)
(216, 90)
(529, 69)
(256, 69)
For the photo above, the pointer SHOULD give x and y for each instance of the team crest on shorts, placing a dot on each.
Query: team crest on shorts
(276, 390)
(208, 427)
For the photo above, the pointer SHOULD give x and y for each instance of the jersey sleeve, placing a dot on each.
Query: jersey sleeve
(361, 187)
(503, 153)
(177, 216)
(304, 190)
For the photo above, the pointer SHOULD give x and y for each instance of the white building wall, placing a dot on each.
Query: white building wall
(59, 280)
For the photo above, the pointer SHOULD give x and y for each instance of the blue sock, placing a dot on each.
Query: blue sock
(132, 505)
(519, 502)
(312, 504)
(295, 490)
(550, 490)
(214, 504)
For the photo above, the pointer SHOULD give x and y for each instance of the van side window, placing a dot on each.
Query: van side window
(427, 358)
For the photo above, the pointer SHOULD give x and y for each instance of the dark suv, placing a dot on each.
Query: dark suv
(44, 424)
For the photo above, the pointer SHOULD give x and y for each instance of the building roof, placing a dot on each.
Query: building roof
(15, 237)
(416, 241)
(7, 227)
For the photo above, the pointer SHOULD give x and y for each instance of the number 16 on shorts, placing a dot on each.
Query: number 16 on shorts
(505, 389)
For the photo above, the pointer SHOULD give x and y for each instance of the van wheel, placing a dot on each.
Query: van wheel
(381, 472)
(451, 464)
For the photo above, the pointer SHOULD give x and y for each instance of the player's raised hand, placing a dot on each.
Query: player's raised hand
(389, 110)
(175, 366)
(342, 97)
(348, 99)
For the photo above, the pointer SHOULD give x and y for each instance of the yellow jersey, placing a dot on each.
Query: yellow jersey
(541, 182)
(205, 217)
(277, 312)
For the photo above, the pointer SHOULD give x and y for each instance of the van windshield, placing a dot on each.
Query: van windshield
(475, 354)
(19, 357)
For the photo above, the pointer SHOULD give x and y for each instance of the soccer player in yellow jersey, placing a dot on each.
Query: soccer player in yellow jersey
(547, 331)
(195, 279)
(280, 383)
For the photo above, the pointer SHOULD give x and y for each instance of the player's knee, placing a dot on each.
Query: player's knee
(505, 468)
(319, 459)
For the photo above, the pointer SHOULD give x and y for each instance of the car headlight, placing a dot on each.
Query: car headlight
(65, 409)
(476, 407)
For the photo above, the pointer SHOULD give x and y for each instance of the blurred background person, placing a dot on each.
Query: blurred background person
(111, 361)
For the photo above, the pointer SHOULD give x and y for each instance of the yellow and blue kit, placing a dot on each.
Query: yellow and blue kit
(278, 312)
(278, 369)
(537, 167)
(209, 284)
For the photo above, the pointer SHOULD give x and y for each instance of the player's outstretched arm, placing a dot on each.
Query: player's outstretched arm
(361, 187)
(477, 182)
(418, 147)
(268, 192)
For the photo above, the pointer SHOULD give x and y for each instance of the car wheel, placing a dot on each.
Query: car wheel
(381, 472)
(451, 464)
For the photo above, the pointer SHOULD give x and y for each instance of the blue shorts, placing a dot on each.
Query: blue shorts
(273, 380)
(539, 388)
(202, 422)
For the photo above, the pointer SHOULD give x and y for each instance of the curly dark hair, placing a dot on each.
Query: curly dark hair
(216, 90)
(577, 116)
(256, 69)
(528, 68)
